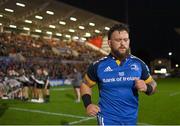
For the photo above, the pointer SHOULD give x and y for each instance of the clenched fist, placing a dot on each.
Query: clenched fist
(140, 85)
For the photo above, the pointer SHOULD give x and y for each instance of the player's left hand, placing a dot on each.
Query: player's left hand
(140, 85)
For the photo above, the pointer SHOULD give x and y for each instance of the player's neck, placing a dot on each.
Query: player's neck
(120, 58)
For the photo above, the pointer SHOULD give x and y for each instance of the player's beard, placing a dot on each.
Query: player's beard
(120, 55)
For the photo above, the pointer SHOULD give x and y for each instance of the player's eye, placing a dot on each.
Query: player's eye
(120, 40)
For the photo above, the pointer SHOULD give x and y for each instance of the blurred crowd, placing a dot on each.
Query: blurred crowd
(30, 47)
(21, 57)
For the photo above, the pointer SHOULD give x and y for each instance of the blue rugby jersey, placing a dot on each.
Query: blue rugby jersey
(118, 100)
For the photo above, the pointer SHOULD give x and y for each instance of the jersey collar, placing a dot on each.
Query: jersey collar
(119, 62)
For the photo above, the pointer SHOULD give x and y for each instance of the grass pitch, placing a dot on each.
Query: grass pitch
(161, 108)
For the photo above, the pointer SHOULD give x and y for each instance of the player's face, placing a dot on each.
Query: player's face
(119, 43)
(39, 71)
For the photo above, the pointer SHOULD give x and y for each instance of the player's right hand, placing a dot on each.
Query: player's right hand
(92, 110)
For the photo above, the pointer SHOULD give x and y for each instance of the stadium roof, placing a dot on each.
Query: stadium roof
(51, 17)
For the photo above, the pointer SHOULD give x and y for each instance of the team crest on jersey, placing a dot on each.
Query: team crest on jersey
(108, 69)
(134, 67)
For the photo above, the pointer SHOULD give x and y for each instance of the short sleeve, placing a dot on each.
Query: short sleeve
(91, 75)
(145, 73)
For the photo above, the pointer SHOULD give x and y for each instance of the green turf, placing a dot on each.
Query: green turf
(161, 108)
(164, 106)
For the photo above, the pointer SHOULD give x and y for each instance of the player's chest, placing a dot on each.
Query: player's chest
(114, 74)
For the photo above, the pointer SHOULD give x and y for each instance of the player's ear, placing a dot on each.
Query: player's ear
(109, 43)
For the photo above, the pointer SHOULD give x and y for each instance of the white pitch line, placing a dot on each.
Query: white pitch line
(142, 123)
(174, 93)
(48, 113)
(61, 89)
(82, 120)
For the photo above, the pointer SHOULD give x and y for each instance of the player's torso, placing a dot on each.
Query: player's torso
(118, 95)
(116, 80)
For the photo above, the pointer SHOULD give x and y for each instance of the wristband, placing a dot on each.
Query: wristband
(149, 89)
(86, 98)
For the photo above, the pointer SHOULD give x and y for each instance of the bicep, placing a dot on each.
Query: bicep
(85, 89)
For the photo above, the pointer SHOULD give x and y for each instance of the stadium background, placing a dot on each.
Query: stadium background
(66, 35)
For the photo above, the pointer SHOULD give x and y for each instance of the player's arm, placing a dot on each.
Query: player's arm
(146, 83)
(147, 87)
(46, 83)
(91, 109)
(86, 91)
(151, 84)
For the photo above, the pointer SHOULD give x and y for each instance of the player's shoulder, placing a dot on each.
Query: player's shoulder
(96, 63)
(101, 60)
(136, 59)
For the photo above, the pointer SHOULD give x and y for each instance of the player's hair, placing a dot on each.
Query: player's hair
(118, 27)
